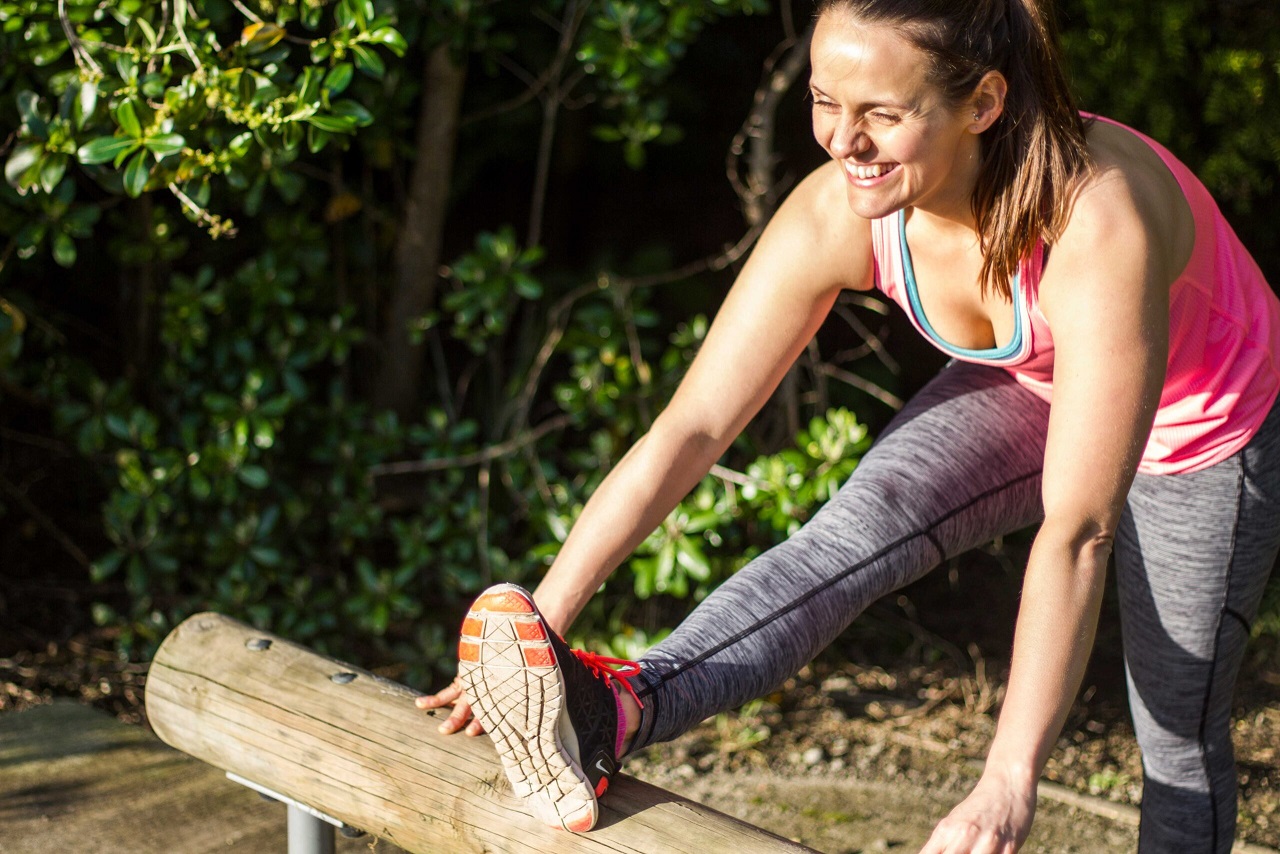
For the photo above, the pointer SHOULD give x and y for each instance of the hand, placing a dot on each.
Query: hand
(461, 709)
(994, 819)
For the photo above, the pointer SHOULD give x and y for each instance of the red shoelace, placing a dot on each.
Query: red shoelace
(610, 670)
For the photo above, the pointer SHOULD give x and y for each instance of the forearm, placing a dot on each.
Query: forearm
(633, 500)
(1061, 597)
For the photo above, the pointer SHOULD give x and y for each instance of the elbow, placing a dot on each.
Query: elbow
(691, 434)
(1084, 543)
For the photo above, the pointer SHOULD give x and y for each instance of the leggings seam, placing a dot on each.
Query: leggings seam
(1232, 612)
(1213, 665)
(925, 531)
(936, 543)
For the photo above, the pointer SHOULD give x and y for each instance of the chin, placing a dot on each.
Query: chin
(871, 207)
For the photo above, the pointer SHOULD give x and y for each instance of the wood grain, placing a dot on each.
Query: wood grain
(360, 751)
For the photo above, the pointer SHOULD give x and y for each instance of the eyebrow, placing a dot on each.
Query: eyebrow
(865, 105)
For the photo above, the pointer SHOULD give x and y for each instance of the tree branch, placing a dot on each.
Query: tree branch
(485, 455)
(50, 528)
(885, 396)
(759, 192)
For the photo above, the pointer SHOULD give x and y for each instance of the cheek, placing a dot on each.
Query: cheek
(822, 132)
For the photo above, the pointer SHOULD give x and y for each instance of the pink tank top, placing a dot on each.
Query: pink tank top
(1224, 334)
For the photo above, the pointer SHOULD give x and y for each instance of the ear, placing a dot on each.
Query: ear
(986, 104)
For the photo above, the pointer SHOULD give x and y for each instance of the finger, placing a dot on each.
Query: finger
(475, 728)
(461, 714)
(935, 845)
(446, 697)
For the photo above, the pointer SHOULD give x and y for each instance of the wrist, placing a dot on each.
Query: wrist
(1015, 773)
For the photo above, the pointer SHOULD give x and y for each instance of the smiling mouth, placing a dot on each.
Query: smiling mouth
(866, 172)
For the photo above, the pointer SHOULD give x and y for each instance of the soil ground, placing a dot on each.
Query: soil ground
(904, 702)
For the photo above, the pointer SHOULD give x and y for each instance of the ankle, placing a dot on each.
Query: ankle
(631, 721)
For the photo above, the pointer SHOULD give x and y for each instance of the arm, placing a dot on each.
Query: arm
(1107, 305)
(775, 307)
(811, 249)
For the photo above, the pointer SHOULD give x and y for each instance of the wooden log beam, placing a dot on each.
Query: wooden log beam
(352, 745)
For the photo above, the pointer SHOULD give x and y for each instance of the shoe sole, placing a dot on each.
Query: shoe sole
(508, 670)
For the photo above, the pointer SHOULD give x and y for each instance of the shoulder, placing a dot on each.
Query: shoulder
(1128, 236)
(815, 231)
(1128, 203)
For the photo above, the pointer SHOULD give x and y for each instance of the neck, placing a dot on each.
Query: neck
(950, 207)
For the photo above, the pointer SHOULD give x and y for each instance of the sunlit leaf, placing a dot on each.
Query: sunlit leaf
(390, 37)
(104, 148)
(163, 146)
(333, 124)
(25, 156)
(261, 35)
(127, 117)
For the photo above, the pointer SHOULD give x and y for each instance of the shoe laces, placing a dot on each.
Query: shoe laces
(610, 670)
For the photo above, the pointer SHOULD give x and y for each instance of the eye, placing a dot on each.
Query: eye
(885, 117)
(821, 103)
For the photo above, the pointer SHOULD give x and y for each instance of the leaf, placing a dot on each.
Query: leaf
(148, 32)
(261, 35)
(368, 61)
(24, 157)
(28, 108)
(136, 173)
(106, 566)
(51, 171)
(164, 145)
(239, 145)
(333, 124)
(127, 117)
(104, 148)
(390, 37)
(316, 139)
(308, 85)
(86, 101)
(64, 250)
(338, 78)
(254, 476)
(353, 110)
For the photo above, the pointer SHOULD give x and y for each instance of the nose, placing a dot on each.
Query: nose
(850, 139)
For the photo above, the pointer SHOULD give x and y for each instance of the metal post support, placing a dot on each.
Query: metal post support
(308, 834)
(310, 831)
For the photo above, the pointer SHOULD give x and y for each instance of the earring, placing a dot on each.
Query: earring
(975, 117)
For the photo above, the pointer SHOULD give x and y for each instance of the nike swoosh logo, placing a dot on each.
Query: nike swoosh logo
(601, 766)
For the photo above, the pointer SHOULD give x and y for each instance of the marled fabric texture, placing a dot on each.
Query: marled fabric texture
(959, 466)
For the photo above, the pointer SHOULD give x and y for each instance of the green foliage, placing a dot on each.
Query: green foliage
(220, 392)
(160, 97)
(1202, 78)
(725, 522)
(488, 284)
(631, 47)
(241, 467)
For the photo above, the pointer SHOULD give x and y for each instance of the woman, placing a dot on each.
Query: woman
(1056, 259)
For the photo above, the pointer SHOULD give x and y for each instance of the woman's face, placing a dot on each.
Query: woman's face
(875, 112)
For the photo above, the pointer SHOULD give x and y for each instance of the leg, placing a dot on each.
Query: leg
(959, 466)
(1193, 554)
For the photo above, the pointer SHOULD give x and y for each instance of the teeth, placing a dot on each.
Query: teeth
(874, 170)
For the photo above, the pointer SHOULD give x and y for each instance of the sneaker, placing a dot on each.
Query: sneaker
(553, 713)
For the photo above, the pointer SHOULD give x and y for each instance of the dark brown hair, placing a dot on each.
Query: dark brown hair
(1036, 149)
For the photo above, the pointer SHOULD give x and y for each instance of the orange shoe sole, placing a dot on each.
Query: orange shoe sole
(507, 668)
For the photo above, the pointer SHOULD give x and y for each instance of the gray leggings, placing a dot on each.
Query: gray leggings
(959, 466)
